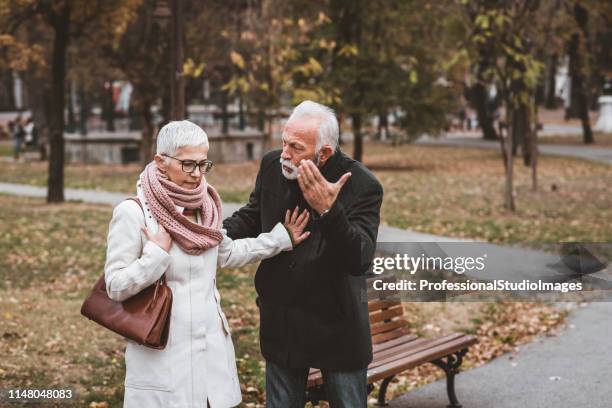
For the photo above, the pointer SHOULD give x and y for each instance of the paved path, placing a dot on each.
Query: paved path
(502, 262)
(596, 154)
(572, 370)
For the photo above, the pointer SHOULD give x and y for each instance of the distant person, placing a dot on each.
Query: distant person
(29, 130)
(18, 136)
(461, 115)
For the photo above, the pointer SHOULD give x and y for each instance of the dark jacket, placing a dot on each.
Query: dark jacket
(312, 300)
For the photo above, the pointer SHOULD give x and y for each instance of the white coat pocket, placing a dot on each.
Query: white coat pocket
(147, 368)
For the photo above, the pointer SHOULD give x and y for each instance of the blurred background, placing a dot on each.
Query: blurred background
(487, 119)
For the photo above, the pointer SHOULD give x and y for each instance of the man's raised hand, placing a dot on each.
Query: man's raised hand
(318, 192)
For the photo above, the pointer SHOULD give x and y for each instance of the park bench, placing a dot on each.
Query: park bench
(395, 350)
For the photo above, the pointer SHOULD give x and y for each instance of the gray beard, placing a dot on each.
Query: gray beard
(293, 175)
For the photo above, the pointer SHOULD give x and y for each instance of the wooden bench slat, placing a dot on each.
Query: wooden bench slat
(390, 335)
(386, 314)
(387, 345)
(401, 363)
(417, 346)
(375, 305)
(401, 349)
(385, 327)
(395, 342)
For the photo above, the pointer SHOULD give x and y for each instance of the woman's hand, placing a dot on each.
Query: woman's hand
(295, 224)
(162, 238)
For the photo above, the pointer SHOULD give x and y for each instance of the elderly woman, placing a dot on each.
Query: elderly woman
(177, 232)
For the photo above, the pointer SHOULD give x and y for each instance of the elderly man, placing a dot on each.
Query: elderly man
(312, 300)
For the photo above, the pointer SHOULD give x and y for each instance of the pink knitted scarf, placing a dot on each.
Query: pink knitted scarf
(163, 195)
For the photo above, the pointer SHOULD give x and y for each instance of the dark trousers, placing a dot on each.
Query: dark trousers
(286, 387)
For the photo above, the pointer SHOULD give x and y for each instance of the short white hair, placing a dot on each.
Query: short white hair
(180, 133)
(328, 132)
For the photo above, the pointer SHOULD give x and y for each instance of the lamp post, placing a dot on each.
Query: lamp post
(177, 77)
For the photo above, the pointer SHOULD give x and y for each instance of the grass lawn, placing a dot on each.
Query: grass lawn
(450, 191)
(459, 193)
(6, 148)
(51, 255)
(601, 140)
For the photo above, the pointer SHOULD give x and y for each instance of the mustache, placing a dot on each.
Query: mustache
(288, 163)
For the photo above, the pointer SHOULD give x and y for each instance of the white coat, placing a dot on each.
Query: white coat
(198, 363)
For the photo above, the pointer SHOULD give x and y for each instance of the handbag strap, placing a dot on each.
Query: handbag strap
(161, 280)
(137, 202)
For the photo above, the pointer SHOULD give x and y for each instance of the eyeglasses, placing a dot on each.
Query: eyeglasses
(189, 166)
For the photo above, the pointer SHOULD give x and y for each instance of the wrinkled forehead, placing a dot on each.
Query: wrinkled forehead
(302, 130)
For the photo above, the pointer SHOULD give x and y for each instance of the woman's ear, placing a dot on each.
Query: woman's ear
(160, 162)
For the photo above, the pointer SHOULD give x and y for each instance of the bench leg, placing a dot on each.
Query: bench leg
(450, 364)
(382, 393)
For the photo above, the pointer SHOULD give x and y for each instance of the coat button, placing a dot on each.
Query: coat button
(292, 265)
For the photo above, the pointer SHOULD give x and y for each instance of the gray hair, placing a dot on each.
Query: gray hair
(180, 133)
(328, 132)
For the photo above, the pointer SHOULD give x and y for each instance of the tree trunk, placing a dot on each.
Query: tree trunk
(509, 194)
(7, 100)
(551, 83)
(83, 111)
(71, 125)
(579, 92)
(241, 118)
(224, 113)
(109, 107)
(177, 91)
(533, 139)
(521, 132)
(485, 116)
(383, 127)
(518, 128)
(357, 137)
(146, 146)
(55, 192)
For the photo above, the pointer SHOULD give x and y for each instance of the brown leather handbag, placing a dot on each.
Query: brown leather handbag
(144, 317)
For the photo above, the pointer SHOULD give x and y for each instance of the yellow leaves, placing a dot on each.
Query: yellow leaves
(310, 68)
(190, 68)
(302, 24)
(237, 59)
(315, 66)
(482, 21)
(326, 45)
(322, 18)
(348, 50)
(6, 39)
(20, 53)
(95, 404)
(236, 84)
(414, 77)
(247, 36)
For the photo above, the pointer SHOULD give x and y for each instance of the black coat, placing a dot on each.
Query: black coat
(312, 300)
